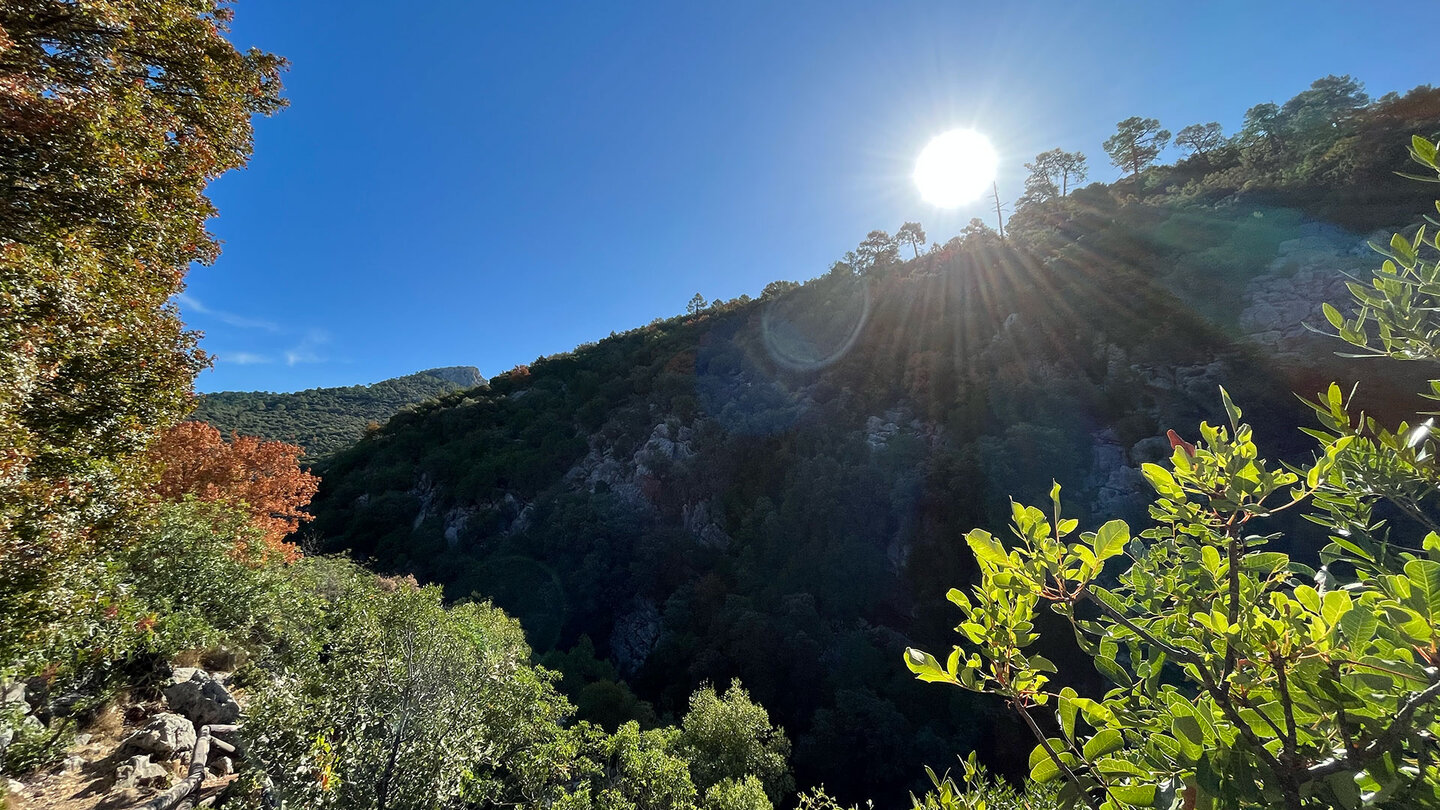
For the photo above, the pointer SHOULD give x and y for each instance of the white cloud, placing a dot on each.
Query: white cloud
(229, 318)
(308, 349)
(242, 358)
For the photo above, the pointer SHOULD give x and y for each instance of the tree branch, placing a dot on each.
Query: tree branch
(1383, 741)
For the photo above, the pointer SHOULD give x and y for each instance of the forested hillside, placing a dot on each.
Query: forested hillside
(324, 420)
(693, 566)
(777, 489)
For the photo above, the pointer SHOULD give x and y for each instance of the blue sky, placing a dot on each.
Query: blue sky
(483, 183)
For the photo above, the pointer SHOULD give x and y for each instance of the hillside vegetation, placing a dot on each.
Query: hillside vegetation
(775, 489)
(677, 569)
(324, 420)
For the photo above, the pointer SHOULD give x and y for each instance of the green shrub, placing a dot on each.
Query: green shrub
(737, 794)
(404, 703)
(32, 745)
(726, 736)
(1242, 678)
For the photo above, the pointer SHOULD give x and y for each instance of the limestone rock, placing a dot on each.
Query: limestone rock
(1306, 273)
(635, 635)
(163, 737)
(699, 520)
(12, 694)
(222, 766)
(879, 432)
(195, 694)
(140, 772)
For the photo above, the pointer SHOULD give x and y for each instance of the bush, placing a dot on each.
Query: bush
(737, 794)
(404, 704)
(1243, 678)
(726, 736)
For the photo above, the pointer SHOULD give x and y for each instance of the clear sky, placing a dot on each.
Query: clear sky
(483, 183)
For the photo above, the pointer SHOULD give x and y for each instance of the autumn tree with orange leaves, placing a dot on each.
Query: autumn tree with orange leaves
(262, 478)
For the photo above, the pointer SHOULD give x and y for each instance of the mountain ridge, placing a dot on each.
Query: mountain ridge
(325, 420)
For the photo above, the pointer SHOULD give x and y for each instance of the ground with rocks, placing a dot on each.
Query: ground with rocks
(135, 748)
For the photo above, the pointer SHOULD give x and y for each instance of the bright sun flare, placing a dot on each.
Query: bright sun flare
(955, 168)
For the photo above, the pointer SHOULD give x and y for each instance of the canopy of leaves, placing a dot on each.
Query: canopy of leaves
(114, 115)
(261, 478)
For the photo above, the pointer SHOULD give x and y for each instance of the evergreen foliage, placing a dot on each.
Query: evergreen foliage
(771, 489)
(1241, 677)
(326, 420)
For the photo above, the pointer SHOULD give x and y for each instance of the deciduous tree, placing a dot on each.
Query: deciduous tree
(263, 478)
(114, 116)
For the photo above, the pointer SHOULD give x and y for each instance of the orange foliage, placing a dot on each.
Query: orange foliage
(262, 478)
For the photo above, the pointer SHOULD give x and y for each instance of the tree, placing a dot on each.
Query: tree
(777, 288)
(726, 736)
(1052, 173)
(1136, 143)
(1261, 122)
(697, 305)
(976, 232)
(1038, 189)
(1201, 138)
(878, 251)
(911, 234)
(1243, 678)
(263, 478)
(1328, 102)
(114, 116)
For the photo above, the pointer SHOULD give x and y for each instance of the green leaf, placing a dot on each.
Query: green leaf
(1424, 576)
(1333, 316)
(1359, 625)
(1110, 539)
(1423, 149)
(1266, 561)
(925, 667)
(1107, 741)
(1230, 409)
(1186, 727)
(986, 548)
(1161, 479)
(1065, 710)
(1309, 597)
(1113, 671)
(1042, 767)
(1134, 795)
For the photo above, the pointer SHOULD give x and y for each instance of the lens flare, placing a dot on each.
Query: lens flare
(956, 168)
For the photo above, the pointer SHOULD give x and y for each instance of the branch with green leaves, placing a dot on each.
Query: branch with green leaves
(1241, 678)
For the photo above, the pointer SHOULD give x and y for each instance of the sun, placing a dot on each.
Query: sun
(955, 168)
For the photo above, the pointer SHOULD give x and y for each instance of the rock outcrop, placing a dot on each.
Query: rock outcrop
(202, 698)
(163, 737)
